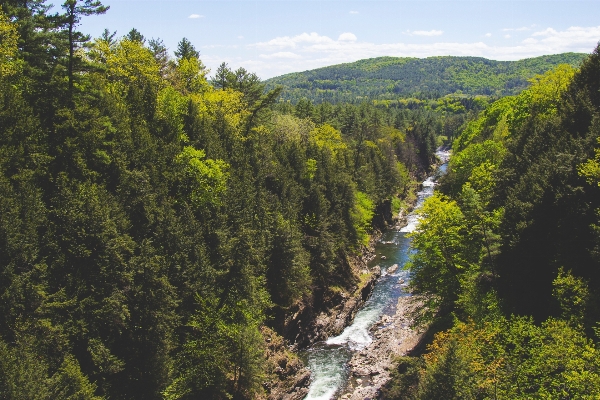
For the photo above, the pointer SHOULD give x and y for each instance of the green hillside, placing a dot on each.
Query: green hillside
(433, 77)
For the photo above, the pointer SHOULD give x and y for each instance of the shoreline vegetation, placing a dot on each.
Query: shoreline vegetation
(164, 232)
(506, 255)
(373, 364)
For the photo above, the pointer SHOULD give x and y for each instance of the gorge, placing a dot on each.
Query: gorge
(383, 312)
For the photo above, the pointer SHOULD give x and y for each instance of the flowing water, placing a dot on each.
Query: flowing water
(327, 360)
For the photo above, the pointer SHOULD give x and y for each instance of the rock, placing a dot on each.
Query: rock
(392, 269)
(374, 364)
(383, 257)
(302, 380)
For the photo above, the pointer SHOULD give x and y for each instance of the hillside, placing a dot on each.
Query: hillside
(433, 77)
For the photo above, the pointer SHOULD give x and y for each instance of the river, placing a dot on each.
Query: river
(328, 360)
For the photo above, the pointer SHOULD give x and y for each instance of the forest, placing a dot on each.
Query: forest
(155, 224)
(506, 255)
(158, 223)
(397, 79)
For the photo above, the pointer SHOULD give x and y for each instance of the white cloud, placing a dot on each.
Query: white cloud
(240, 37)
(521, 29)
(432, 32)
(281, 54)
(575, 38)
(506, 36)
(353, 12)
(282, 42)
(347, 37)
(488, 35)
(195, 16)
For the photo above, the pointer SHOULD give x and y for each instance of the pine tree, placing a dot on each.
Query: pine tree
(135, 36)
(186, 50)
(74, 10)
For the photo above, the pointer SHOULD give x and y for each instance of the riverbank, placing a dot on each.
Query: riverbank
(320, 322)
(393, 336)
(315, 319)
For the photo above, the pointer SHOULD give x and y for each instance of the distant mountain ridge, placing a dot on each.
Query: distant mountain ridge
(400, 77)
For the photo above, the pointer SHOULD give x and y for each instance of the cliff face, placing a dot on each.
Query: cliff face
(327, 314)
(288, 378)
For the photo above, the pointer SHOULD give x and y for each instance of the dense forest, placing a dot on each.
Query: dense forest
(507, 253)
(154, 223)
(157, 224)
(396, 79)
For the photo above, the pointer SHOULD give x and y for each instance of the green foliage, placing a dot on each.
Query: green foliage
(393, 78)
(326, 136)
(362, 216)
(573, 295)
(152, 224)
(405, 378)
(207, 178)
(186, 51)
(8, 46)
(509, 358)
(24, 375)
(591, 168)
(440, 257)
(515, 221)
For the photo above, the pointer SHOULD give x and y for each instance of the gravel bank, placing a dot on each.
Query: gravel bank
(392, 336)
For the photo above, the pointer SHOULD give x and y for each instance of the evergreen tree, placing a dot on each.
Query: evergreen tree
(135, 36)
(74, 10)
(186, 50)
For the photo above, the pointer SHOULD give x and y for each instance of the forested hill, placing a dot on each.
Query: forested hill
(433, 77)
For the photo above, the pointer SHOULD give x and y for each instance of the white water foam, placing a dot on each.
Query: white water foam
(412, 220)
(329, 371)
(443, 155)
(411, 223)
(356, 336)
(323, 390)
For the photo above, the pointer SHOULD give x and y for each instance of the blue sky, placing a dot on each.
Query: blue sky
(276, 37)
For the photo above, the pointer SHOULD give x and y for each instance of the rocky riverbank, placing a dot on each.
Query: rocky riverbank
(393, 336)
(307, 325)
(328, 312)
(287, 377)
(312, 320)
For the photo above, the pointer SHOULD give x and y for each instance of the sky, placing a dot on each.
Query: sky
(272, 38)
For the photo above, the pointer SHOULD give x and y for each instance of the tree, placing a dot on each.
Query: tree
(186, 50)
(439, 258)
(8, 46)
(108, 37)
(135, 36)
(304, 108)
(158, 48)
(248, 83)
(75, 9)
(222, 77)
